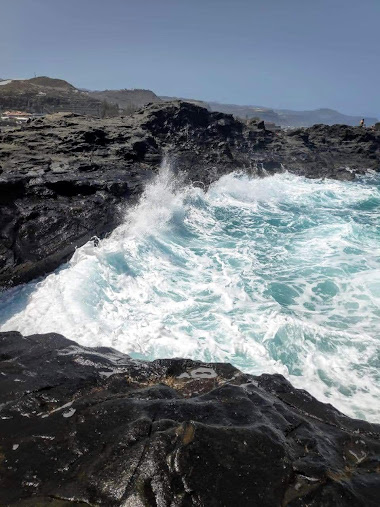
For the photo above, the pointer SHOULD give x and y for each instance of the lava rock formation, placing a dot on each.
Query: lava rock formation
(83, 426)
(66, 178)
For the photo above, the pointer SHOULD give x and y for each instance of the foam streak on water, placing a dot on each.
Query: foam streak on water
(280, 274)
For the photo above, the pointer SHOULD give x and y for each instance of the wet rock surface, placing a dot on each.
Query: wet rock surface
(81, 426)
(66, 178)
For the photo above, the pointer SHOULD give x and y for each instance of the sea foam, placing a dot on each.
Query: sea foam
(280, 274)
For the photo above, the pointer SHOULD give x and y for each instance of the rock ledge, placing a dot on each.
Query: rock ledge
(82, 426)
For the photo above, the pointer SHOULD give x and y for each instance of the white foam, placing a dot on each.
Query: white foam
(268, 274)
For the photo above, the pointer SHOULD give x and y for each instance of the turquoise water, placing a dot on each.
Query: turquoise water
(280, 274)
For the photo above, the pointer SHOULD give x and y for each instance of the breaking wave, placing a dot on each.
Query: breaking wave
(280, 274)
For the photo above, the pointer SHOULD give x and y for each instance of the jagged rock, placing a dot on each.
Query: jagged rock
(93, 426)
(64, 177)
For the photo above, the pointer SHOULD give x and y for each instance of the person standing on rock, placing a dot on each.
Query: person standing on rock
(362, 124)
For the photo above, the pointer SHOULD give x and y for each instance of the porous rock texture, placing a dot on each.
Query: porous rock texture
(82, 426)
(66, 178)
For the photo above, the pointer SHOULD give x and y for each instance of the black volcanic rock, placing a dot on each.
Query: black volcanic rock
(81, 426)
(66, 178)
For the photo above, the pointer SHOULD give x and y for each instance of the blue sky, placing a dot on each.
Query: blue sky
(296, 54)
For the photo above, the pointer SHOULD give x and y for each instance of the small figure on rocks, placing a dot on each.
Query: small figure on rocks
(362, 124)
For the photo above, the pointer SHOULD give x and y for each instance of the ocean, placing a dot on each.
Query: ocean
(275, 275)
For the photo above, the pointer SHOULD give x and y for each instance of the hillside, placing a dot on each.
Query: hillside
(46, 95)
(126, 100)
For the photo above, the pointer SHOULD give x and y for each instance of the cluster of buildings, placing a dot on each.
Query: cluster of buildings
(18, 116)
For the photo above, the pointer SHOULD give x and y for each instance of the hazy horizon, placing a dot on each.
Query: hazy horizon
(197, 98)
(298, 55)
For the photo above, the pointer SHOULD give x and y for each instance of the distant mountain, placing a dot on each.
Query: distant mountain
(48, 95)
(247, 112)
(326, 116)
(282, 117)
(201, 103)
(290, 118)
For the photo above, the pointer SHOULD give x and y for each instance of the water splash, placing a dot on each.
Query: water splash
(280, 274)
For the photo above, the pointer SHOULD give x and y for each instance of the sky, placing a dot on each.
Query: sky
(289, 54)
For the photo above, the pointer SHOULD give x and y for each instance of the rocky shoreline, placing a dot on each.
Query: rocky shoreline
(83, 426)
(66, 178)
